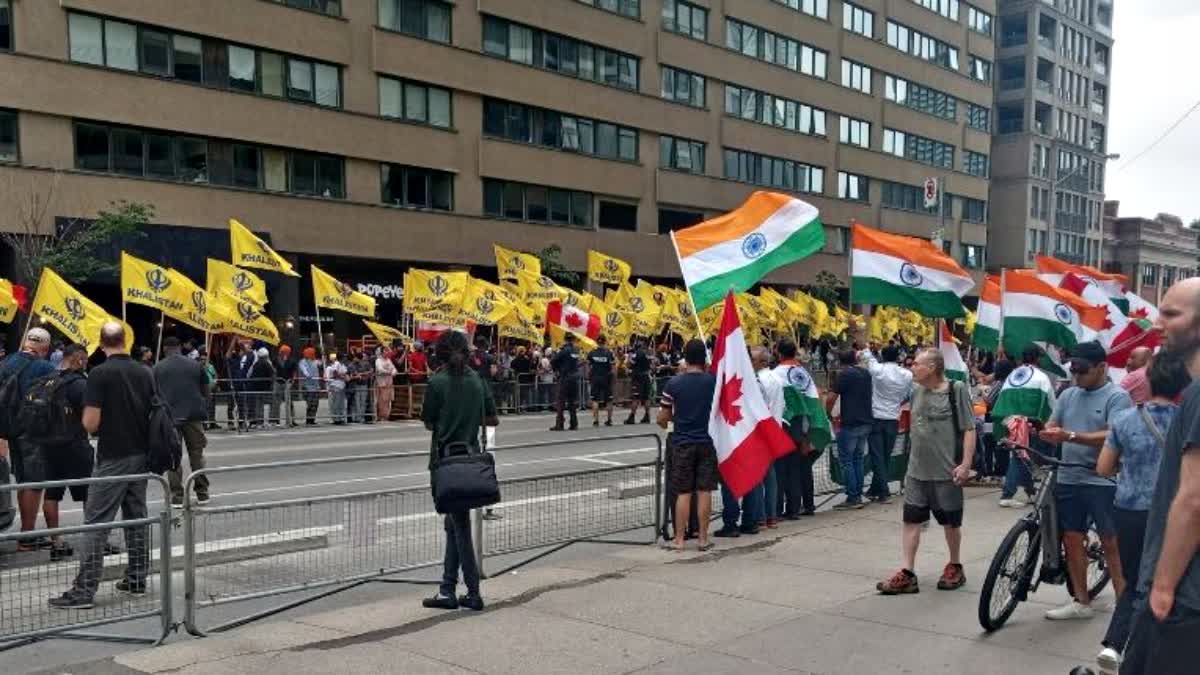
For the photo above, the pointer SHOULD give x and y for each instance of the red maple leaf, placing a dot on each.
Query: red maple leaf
(573, 321)
(731, 393)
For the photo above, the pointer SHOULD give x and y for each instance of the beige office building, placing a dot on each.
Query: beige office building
(1153, 252)
(371, 135)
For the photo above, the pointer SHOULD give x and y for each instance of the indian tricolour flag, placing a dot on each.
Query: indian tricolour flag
(1027, 392)
(745, 434)
(956, 368)
(987, 319)
(736, 250)
(1035, 311)
(801, 399)
(891, 269)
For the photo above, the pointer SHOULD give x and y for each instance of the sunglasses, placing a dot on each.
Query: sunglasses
(1082, 370)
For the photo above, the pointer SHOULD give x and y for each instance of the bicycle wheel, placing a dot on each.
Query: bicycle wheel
(1008, 576)
(1097, 571)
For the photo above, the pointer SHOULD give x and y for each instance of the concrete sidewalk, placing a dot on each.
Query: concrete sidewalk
(800, 598)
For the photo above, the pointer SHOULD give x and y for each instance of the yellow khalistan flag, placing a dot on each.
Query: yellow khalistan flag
(606, 269)
(145, 283)
(485, 302)
(510, 263)
(645, 307)
(71, 313)
(201, 309)
(427, 290)
(521, 324)
(243, 318)
(334, 294)
(8, 303)
(239, 285)
(386, 334)
(250, 251)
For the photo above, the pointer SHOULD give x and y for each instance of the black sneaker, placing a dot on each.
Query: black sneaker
(124, 587)
(848, 505)
(808, 512)
(60, 552)
(753, 529)
(440, 601)
(202, 498)
(629, 420)
(595, 423)
(727, 532)
(177, 501)
(471, 601)
(72, 600)
(110, 549)
(489, 514)
(646, 419)
(608, 423)
(556, 427)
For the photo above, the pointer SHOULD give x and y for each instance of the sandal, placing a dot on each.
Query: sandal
(707, 547)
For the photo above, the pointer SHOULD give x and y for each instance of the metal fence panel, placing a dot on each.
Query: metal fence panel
(29, 579)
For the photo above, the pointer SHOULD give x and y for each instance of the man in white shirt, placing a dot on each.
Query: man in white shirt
(772, 390)
(891, 387)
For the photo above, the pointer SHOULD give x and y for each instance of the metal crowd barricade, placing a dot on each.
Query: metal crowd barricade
(29, 580)
(330, 543)
(251, 402)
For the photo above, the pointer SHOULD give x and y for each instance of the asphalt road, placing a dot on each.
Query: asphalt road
(392, 524)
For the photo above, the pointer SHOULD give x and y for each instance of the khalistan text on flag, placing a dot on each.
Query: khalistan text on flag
(891, 269)
(736, 250)
(747, 438)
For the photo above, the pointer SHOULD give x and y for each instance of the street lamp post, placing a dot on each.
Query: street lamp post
(1054, 211)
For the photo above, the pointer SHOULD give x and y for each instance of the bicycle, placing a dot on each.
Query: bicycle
(1035, 538)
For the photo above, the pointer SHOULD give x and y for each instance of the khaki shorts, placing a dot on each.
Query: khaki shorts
(942, 498)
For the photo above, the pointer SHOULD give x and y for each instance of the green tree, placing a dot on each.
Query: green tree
(70, 247)
(552, 266)
(827, 288)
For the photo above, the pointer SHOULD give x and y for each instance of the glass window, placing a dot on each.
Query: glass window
(300, 80)
(858, 20)
(192, 157)
(391, 98)
(120, 45)
(187, 54)
(606, 140)
(520, 44)
(439, 107)
(493, 197)
(328, 85)
(329, 178)
(274, 169)
(495, 36)
(160, 160)
(86, 37)
(414, 103)
(536, 203)
(127, 152)
(416, 188)
(853, 186)
(441, 190)
(438, 21)
(581, 209)
(514, 201)
(616, 216)
(304, 173)
(627, 143)
(156, 52)
(560, 207)
(5, 25)
(8, 136)
(272, 73)
(242, 69)
(245, 166)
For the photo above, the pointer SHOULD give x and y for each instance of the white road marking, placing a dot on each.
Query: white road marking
(414, 474)
(596, 460)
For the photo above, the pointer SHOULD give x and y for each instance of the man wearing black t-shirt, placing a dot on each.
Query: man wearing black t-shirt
(116, 408)
(639, 367)
(566, 368)
(853, 387)
(601, 374)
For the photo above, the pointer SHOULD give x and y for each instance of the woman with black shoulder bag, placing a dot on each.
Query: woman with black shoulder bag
(458, 404)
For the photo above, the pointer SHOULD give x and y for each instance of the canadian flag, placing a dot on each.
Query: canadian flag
(747, 438)
(573, 319)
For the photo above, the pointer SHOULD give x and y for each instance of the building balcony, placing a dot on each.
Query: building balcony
(1012, 83)
(1097, 107)
(1042, 86)
(1046, 42)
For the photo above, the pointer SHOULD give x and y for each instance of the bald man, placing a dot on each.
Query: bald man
(1167, 622)
(116, 408)
(27, 460)
(1136, 382)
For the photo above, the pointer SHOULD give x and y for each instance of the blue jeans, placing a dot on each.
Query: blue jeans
(852, 447)
(882, 441)
(1018, 473)
(749, 511)
(770, 490)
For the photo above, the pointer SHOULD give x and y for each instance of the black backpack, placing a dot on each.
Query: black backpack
(45, 416)
(10, 402)
(164, 446)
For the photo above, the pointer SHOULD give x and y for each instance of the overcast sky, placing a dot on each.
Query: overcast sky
(1155, 79)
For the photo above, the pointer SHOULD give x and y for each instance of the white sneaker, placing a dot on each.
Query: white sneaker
(1071, 610)
(1109, 661)
(1009, 504)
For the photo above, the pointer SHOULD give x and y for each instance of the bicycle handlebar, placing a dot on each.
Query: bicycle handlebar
(1046, 459)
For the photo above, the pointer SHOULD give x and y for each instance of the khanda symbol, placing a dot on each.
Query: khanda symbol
(611, 265)
(659, 297)
(685, 310)
(343, 289)
(438, 285)
(242, 282)
(247, 311)
(489, 294)
(517, 263)
(199, 302)
(545, 282)
(157, 280)
(485, 305)
(74, 308)
(613, 319)
(637, 304)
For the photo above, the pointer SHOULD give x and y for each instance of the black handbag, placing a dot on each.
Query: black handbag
(463, 479)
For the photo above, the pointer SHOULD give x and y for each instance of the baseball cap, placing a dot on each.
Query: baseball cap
(1087, 355)
(39, 335)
